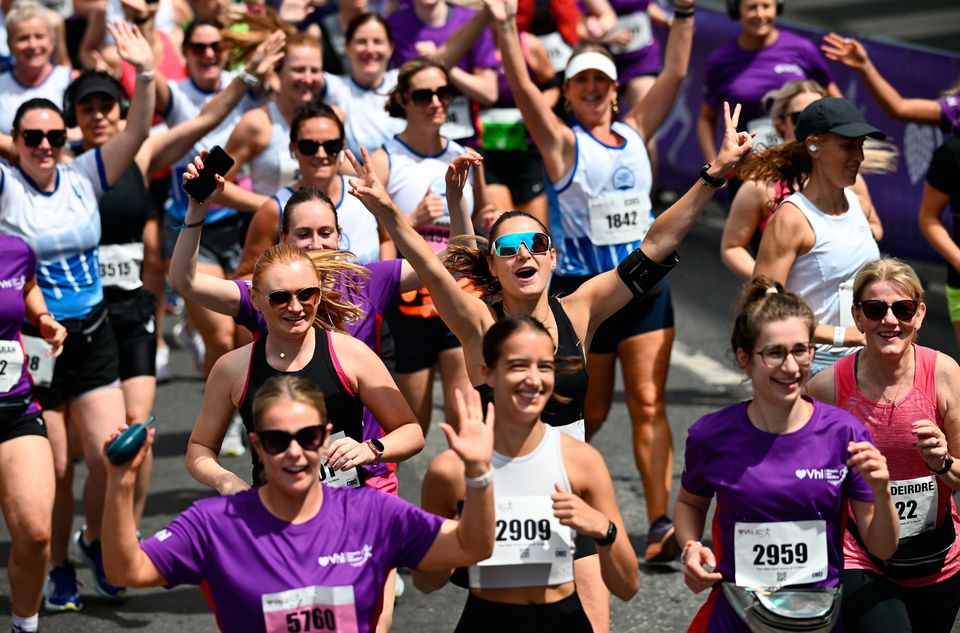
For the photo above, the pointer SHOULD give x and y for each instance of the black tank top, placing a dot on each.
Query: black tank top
(572, 385)
(125, 209)
(344, 409)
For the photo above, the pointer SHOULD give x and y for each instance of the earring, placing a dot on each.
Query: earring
(812, 147)
(616, 106)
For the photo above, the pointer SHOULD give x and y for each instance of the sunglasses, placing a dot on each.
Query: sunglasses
(141, 20)
(281, 298)
(33, 138)
(424, 96)
(509, 245)
(308, 147)
(309, 438)
(775, 355)
(199, 48)
(875, 309)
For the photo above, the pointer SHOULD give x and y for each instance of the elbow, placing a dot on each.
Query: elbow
(885, 550)
(628, 590)
(427, 582)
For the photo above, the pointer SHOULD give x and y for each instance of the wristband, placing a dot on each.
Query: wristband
(683, 14)
(147, 75)
(36, 321)
(947, 465)
(711, 181)
(192, 225)
(482, 481)
(839, 333)
(248, 79)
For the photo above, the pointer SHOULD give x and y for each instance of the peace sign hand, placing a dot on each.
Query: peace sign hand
(735, 145)
(368, 189)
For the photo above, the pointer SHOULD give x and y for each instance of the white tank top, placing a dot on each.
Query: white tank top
(823, 276)
(410, 175)
(359, 229)
(368, 123)
(515, 481)
(13, 93)
(601, 210)
(275, 166)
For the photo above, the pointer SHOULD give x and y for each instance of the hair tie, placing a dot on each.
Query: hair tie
(772, 290)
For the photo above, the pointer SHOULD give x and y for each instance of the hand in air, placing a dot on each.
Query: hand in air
(735, 145)
(845, 50)
(131, 45)
(367, 188)
(457, 172)
(473, 441)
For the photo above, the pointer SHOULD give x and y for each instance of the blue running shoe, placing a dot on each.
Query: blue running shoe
(662, 545)
(93, 558)
(60, 591)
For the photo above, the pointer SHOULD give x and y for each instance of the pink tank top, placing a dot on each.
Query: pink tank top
(890, 427)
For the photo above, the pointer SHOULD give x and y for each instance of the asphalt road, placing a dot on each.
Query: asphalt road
(701, 380)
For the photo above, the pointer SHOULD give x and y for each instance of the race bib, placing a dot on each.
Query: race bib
(916, 504)
(526, 532)
(39, 365)
(11, 365)
(459, 123)
(120, 265)
(780, 554)
(310, 609)
(766, 134)
(619, 218)
(638, 25)
(557, 50)
(339, 478)
(845, 302)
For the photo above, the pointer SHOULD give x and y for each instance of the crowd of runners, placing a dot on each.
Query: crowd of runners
(337, 200)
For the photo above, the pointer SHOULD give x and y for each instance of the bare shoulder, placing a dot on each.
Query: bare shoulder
(446, 467)
(821, 386)
(947, 375)
(579, 454)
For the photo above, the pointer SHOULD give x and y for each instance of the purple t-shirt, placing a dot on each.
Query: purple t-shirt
(17, 266)
(760, 477)
(741, 76)
(641, 56)
(264, 573)
(950, 114)
(407, 30)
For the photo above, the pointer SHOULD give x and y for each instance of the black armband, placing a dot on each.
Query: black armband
(641, 273)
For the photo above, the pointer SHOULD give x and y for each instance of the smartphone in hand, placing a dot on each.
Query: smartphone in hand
(217, 162)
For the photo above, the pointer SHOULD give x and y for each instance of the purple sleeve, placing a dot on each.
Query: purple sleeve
(247, 315)
(383, 285)
(816, 64)
(177, 551)
(949, 113)
(711, 81)
(693, 479)
(483, 54)
(409, 530)
(854, 486)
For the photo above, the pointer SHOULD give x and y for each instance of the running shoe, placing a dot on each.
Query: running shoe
(60, 592)
(662, 545)
(174, 303)
(232, 445)
(399, 587)
(190, 340)
(163, 364)
(93, 558)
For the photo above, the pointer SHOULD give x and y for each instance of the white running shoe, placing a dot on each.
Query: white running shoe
(232, 445)
(163, 364)
(400, 586)
(190, 340)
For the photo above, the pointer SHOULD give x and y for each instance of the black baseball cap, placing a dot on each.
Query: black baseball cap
(96, 82)
(839, 116)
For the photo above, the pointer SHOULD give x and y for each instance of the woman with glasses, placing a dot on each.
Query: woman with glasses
(907, 396)
(316, 140)
(516, 266)
(784, 469)
(54, 207)
(275, 558)
(555, 486)
(821, 235)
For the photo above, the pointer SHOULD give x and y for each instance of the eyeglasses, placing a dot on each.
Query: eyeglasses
(33, 138)
(775, 355)
(875, 309)
(308, 147)
(309, 438)
(280, 299)
(424, 96)
(199, 48)
(509, 245)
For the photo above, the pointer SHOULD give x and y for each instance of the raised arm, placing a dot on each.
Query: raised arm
(213, 293)
(650, 112)
(120, 151)
(852, 53)
(440, 491)
(746, 213)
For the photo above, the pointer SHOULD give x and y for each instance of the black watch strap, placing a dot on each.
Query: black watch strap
(947, 465)
(610, 537)
(711, 181)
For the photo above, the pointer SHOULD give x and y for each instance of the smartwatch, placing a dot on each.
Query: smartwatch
(947, 465)
(610, 537)
(377, 447)
(711, 181)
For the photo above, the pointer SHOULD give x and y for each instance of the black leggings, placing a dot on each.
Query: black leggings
(874, 604)
(483, 616)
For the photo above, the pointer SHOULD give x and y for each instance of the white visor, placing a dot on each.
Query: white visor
(591, 60)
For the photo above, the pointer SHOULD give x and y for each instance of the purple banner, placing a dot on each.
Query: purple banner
(915, 73)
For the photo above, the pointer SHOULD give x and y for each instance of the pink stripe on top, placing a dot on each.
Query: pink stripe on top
(336, 364)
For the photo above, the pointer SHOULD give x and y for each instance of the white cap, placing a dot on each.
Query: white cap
(591, 60)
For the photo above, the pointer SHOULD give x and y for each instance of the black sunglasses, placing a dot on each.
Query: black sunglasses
(309, 438)
(141, 20)
(424, 96)
(199, 48)
(308, 147)
(33, 138)
(875, 309)
(282, 298)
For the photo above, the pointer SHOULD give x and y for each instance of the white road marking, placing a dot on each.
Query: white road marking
(704, 367)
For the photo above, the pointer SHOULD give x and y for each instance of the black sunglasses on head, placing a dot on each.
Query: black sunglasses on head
(33, 138)
(199, 48)
(875, 309)
(282, 298)
(309, 438)
(309, 147)
(424, 96)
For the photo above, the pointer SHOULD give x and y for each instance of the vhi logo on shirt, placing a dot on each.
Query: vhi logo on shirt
(16, 283)
(354, 559)
(833, 475)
